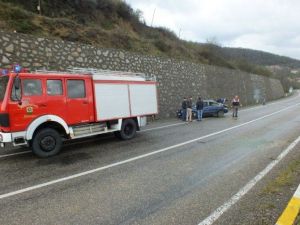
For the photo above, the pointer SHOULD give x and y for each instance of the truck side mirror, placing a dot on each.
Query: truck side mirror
(17, 82)
(17, 89)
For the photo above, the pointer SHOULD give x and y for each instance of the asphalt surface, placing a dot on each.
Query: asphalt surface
(182, 183)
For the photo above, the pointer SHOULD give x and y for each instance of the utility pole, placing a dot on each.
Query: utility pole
(179, 33)
(39, 8)
(153, 17)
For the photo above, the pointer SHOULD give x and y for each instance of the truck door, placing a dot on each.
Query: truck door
(32, 104)
(56, 97)
(79, 101)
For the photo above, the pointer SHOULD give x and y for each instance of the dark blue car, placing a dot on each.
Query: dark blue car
(211, 108)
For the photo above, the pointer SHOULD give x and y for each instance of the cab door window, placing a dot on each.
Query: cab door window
(15, 93)
(32, 87)
(76, 89)
(54, 87)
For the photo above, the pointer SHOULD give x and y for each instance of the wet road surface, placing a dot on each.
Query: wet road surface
(171, 173)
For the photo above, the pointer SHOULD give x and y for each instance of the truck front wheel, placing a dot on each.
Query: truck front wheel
(128, 129)
(47, 142)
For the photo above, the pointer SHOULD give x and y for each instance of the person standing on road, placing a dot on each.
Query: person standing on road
(199, 106)
(189, 110)
(235, 106)
(183, 107)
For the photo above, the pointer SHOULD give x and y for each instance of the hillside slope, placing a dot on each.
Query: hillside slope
(114, 24)
(259, 57)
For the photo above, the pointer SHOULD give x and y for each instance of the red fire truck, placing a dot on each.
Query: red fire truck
(41, 109)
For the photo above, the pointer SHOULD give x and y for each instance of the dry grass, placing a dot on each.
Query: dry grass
(297, 221)
(284, 179)
(113, 25)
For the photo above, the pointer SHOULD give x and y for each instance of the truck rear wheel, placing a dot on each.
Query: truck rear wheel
(47, 142)
(128, 130)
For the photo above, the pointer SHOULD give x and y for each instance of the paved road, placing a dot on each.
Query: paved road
(177, 174)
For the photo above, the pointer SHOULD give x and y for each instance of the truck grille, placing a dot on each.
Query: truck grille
(4, 120)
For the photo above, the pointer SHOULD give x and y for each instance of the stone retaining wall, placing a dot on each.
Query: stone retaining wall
(176, 78)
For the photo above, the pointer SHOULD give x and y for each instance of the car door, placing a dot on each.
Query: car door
(215, 107)
(205, 108)
(210, 107)
(78, 105)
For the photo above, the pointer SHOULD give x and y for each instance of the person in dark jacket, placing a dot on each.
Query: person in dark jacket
(183, 107)
(199, 107)
(189, 105)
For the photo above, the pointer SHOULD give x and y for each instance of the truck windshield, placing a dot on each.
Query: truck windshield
(3, 85)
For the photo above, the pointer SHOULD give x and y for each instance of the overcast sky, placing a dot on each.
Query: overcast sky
(268, 25)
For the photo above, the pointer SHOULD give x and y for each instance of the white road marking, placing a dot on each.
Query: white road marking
(297, 193)
(13, 154)
(34, 187)
(161, 127)
(235, 198)
(26, 152)
(259, 106)
(156, 128)
(150, 129)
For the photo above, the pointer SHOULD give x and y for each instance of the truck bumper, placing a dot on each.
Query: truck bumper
(16, 138)
(5, 137)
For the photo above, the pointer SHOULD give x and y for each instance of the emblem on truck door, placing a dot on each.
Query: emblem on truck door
(29, 109)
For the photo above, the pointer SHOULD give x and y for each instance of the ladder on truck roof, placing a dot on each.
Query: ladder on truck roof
(99, 72)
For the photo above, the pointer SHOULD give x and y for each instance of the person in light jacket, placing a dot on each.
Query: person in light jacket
(189, 105)
(235, 106)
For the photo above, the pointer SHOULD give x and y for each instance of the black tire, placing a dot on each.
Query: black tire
(194, 115)
(47, 142)
(220, 114)
(128, 130)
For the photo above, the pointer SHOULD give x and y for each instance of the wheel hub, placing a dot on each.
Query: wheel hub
(48, 143)
(128, 129)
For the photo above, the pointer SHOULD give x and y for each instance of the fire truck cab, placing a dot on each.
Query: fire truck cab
(42, 109)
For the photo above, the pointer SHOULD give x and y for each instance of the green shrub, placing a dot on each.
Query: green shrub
(107, 24)
(18, 19)
(162, 46)
(107, 6)
(166, 32)
(25, 26)
(124, 11)
(251, 68)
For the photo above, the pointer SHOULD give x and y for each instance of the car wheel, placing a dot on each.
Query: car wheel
(128, 130)
(194, 115)
(47, 142)
(220, 114)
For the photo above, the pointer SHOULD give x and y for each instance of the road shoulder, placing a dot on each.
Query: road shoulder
(267, 200)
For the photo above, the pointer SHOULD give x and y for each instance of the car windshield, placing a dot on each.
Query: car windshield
(214, 103)
(3, 85)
